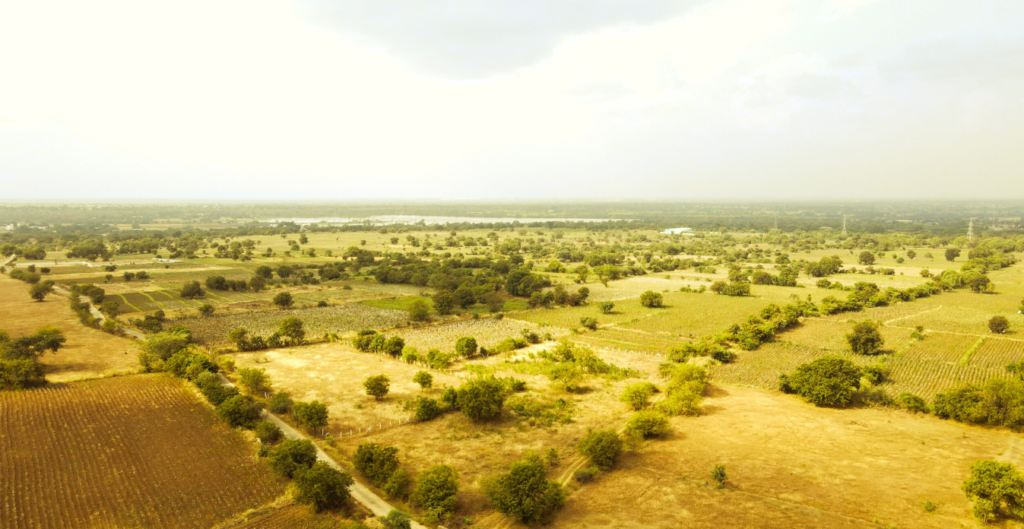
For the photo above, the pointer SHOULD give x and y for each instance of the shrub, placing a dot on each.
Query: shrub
(865, 338)
(240, 410)
(647, 424)
(589, 323)
(466, 346)
(322, 486)
(606, 307)
(376, 462)
(524, 493)
(718, 474)
(827, 381)
(913, 403)
(395, 520)
(192, 290)
(281, 402)
(652, 299)
(637, 395)
(397, 486)
(998, 324)
(602, 447)
(393, 346)
(254, 381)
(419, 311)
(312, 415)
(206, 310)
(585, 475)
(291, 455)
(165, 344)
(993, 486)
(424, 379)
(268, 432)
(377, 386)
(283, 300)
(876, 373)
(481, 399)
(427, 409)
(999, 402)
(436, 488)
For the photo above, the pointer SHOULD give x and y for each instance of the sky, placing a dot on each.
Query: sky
(526, 99)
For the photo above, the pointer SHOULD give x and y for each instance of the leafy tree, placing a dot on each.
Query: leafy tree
(952, 254)
(993, 486)
(427, 409)
(240, 410)
(281, 402)
(377, 386)
(589, 323)
(419, 311)
(827, 381)
(637, 395)
(998, 324)
(165, 344)
(267, 432)
(865, 338)
(293, 328)
(424, 379)
(395, 520)
(192, 290)
(397, 486)
(39, 291)
(322, 486)
(312, 415)
(206, 310)
(376, 462)
(866, 258)
(647, 424)
(436, 488)
(481, 399)
(257, 283)
(466, 346)
(524, 493)
(911, 402)
(652, 299)
(979, 283)
(265, 272)
(283, 300)
(254, 381)
(602, 447)
(393, 346)
(443, 302)
(292, 455)
(606, 307)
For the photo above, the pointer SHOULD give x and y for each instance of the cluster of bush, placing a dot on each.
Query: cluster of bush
(703, 348)
(998, 402)
(150, 323)
(433, 490)
(291, 331)
(29, 275)
(25, 251)
(559, 296)
(832, 381)
(19, 357)
(568, 365)
(684, 389)
(370, 341)
(524, 492)
(761, 329)
(733, 288)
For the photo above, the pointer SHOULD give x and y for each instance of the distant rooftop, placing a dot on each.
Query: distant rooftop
(677, 231)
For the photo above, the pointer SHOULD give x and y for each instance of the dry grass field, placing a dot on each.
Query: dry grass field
(135, 451)
(88, 353)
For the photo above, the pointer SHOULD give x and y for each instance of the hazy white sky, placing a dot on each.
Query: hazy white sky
(462, 99)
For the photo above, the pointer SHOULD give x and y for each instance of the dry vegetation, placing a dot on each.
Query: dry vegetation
(318, 321)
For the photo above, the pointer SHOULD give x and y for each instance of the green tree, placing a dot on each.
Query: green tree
(395, 520)
(281, 402)
(998, 324)
(865, 338)
(312, 415)
(376, 462)
(322, 486)
(443, 302)
(254, 381)
(206, 310)
(827, 381)
(192, 290)
(419, 311)
(436, 488)
(994, 486)
(866, 258)
(466, 346)
(602, 447)
(718, 474)
(636, 395)
(427, 409)
(39, 291)
(377, 386)
(481, 399)
(291, 455)
(267, 432)
(424, 379)
(524, 493)
(647, 424)
(652, 299)
(979, 283)
(952, 254)
(240, 410)
(293, 328)
(283, 300)
(606, 307)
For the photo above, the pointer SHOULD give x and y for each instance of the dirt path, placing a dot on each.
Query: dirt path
(99, 315)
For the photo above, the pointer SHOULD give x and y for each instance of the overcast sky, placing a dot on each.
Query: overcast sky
(463, 99)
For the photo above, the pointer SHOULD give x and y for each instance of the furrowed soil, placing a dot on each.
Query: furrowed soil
(88, 353)
(134, 451)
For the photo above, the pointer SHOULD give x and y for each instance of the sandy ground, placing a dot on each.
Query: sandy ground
(88, 352)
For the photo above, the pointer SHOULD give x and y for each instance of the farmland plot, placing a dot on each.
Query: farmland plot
(139, 451)
(338, 319)
(487, 331)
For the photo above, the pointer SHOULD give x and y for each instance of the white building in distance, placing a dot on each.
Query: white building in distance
(677, 231)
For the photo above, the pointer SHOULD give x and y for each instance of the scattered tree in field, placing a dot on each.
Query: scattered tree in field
(994, 486)
(647, 424)
(435, 491)
(424, 379)
(911, 254)
(443, 302)
(652, 299)
(637, 395)
(291, 455)
(192, 290)
(606, 307)
(979, 283)
(602, 447)
(865, 338)
(419, 311)
(376, 462)
(524, 493)
(718, 475)
(481, 399)
(377, 386)
(827, 381)
(39, 291)
(866, 258)
(588, 323)
(312, 415)
(393, 346)
(240, 410)
(466, 346)
(283, 300)
(322, 486)
(426, 409)
(952, 254)
(998, 324)
(254, 381)
(292, 328)
(206, 310)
